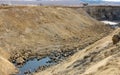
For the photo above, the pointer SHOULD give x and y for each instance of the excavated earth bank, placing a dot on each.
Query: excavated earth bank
(28, 32)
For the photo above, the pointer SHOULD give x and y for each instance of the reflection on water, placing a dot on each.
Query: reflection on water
(32, 65)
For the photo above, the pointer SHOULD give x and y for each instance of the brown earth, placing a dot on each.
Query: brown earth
(39, 28)
(6, 67)
(27, 30)
(100, 58)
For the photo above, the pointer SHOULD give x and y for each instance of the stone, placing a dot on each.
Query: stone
(115, 39)
(20, 60)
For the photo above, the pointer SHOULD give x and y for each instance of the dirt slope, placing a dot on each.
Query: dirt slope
(22, 27)
(6, 67)
(100, 58)
(41, 28)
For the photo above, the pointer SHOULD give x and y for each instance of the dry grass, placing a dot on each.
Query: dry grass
(100, 58)
(34, 28)
(6, 67)
(22, 27)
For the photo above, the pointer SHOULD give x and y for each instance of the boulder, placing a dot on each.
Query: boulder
(116, 38)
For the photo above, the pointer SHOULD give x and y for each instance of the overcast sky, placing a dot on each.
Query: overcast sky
(63, 0)
(113, 0)
(74, 0)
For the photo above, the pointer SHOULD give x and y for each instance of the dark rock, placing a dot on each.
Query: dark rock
(116, 39)
(27, 72)
(104, 13)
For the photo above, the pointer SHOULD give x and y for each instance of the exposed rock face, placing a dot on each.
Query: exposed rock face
(104, 12)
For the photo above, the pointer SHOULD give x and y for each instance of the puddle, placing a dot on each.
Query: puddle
(54, 58)
(33, 65)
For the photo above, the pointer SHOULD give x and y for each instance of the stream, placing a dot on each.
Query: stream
(32, 65)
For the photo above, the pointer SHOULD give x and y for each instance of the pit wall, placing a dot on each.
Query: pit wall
(104, 12)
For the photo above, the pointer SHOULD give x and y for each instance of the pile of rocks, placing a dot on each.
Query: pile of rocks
(58, 56)
(21, 56)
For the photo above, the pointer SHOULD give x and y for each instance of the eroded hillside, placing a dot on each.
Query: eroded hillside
(27, 31)
(100, 58)
(36, 27)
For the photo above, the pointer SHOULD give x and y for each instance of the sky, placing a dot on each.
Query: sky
(113, 0)
(89, 0)
(64, 0)
(77, 0)
(94, 0)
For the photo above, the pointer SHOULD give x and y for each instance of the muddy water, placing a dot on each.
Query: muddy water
(33, 65)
